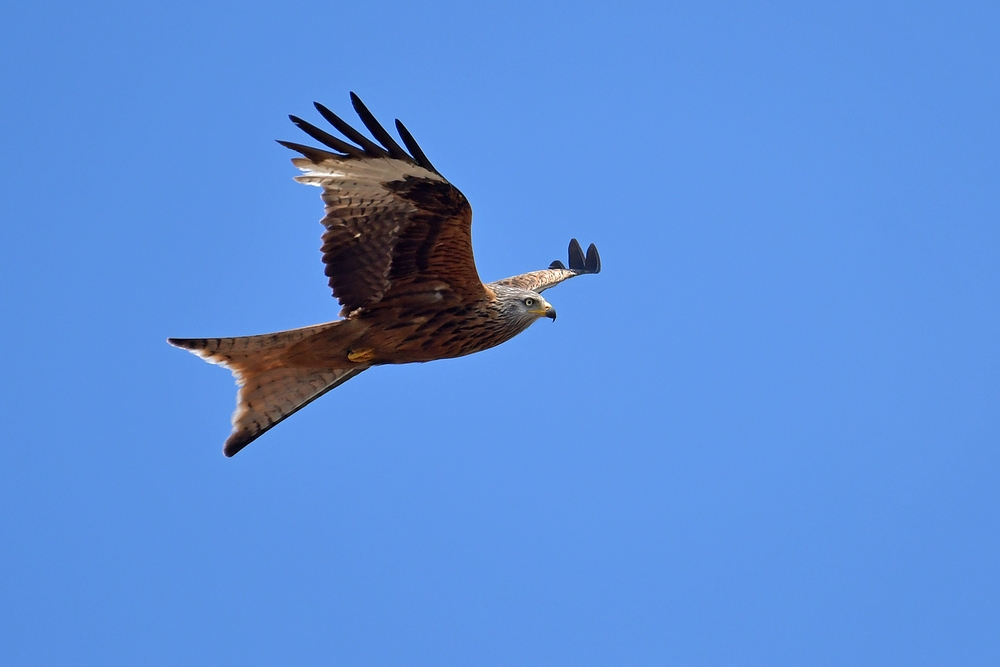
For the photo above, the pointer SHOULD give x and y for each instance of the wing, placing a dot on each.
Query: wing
(538, 281)
(394, 226)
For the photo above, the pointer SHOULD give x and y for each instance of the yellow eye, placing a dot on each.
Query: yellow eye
(529, 302)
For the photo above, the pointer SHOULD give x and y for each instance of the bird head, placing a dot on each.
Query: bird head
(536, 306)
(522, 306)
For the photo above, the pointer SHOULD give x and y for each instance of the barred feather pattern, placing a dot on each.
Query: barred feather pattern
(265, 399)
(270, 388)
(537, 281)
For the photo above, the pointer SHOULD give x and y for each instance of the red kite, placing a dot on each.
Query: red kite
(398, 253)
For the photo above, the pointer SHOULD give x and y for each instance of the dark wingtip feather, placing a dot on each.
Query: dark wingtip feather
(411, 144)
(379, 132)
(593, 261)
(576, 260)
(345, 128)
(578, 263)
(315, 154)
(388, 148)
(326, 138)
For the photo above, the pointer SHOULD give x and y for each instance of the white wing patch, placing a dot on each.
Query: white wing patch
(337, 173)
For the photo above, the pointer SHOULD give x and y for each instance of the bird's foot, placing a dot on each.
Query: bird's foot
(361, 356)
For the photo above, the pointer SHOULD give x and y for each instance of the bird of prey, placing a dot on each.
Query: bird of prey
(397, 247)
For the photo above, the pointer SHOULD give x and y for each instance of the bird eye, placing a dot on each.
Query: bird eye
(529, 302)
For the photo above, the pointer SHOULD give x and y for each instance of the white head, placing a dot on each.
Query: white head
(521, 307)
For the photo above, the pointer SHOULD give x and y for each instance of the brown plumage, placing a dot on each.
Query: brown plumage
(397, 247)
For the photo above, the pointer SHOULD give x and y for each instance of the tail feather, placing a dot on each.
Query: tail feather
(234, 352)
(268, 397)
(270, 388)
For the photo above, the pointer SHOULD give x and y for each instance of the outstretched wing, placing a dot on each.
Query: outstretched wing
(538, 281)
(394, 226)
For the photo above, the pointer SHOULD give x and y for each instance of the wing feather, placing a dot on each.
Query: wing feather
(395, 228)
(377, 130)
(413, 147)
(539, 281)
(326, 138)
(345, 128)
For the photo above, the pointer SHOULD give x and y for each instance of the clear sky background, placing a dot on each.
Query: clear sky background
(766, 434)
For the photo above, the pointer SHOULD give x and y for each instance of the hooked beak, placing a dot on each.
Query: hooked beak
(548, 311)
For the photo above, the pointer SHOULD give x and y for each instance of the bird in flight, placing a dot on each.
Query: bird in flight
(397, 248)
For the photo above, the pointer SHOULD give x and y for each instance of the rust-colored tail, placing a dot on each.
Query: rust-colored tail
(270, 390)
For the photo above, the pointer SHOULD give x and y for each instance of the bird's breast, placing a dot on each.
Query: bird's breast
(410, 336)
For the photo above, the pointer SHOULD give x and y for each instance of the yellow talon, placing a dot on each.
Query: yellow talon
(358, 356)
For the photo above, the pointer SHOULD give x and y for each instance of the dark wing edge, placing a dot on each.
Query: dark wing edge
(363, 147)
(579, 264)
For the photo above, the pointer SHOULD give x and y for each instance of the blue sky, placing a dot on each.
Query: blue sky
(765, 434)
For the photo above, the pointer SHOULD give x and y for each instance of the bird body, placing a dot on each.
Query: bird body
(398, 254)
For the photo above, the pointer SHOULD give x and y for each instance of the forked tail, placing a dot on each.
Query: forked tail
(269, 390)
